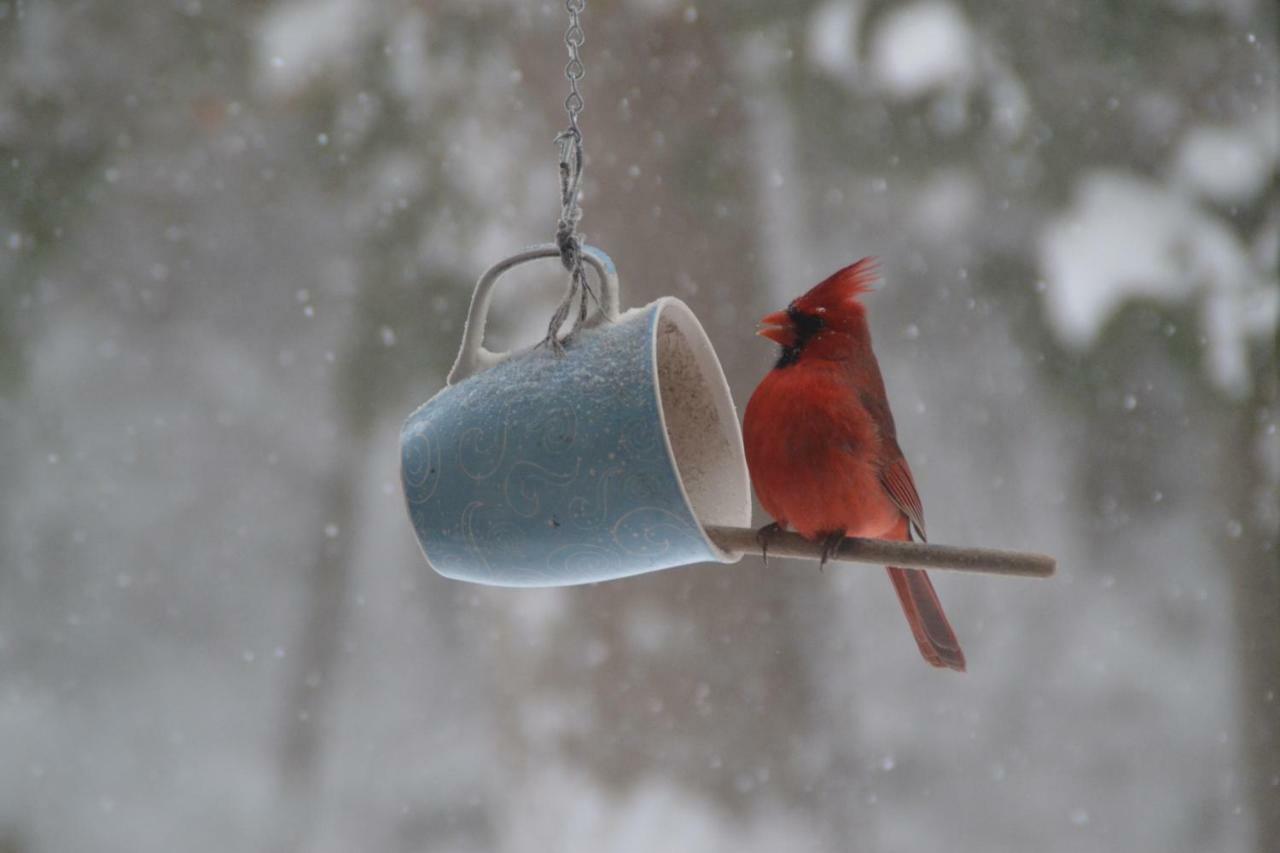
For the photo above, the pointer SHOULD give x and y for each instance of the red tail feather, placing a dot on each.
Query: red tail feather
(929, 624)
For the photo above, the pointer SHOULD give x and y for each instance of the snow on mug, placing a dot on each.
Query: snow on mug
(537, 469)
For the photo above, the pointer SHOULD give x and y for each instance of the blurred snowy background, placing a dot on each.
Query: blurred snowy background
(236, 243)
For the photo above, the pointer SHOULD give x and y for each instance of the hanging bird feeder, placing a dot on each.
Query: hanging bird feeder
(609, 450)
(604, 459)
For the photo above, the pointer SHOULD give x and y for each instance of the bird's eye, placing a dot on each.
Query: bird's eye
(805, 324)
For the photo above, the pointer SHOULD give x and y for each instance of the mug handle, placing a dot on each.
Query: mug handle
(472, 355)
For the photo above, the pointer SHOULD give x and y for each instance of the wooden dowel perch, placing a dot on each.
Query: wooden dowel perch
(881, 552)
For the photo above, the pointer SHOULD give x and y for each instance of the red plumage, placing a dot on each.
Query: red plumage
(822, 447)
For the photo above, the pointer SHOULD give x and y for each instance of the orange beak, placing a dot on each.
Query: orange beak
(777, 328)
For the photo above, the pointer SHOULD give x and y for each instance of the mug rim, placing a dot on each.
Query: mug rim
(712, 372)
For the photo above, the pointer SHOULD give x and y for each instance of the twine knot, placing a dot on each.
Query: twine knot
(568, 240)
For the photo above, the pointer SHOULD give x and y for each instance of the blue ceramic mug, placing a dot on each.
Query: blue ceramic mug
(537, 469)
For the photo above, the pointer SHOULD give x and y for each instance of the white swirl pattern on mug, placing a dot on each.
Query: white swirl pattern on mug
(583, 560)
(639, 487)
(475, 459)
(582, 513)
(420, 468)
(520, 488)
(492, 533)
(557, 431)
(652, 532)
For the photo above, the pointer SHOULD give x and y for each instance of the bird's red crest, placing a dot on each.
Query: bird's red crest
(841, 288)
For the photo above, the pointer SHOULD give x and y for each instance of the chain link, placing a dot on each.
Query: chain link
(574, 39)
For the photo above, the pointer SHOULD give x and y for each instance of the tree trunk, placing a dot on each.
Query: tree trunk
(314, 676)
(1253, 552)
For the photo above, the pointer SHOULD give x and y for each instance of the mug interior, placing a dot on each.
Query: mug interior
(700, 420)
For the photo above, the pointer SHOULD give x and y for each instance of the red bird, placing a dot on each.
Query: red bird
(822, 448)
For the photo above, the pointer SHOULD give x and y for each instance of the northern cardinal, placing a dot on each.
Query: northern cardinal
(822, 449)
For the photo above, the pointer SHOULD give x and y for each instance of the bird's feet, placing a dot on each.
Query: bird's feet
(763, 535)
(830, 545)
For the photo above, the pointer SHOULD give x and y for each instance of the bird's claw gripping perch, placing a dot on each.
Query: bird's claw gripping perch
(830, 544)
(762, 537)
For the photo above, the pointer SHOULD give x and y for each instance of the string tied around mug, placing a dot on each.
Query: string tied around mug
(569, 142)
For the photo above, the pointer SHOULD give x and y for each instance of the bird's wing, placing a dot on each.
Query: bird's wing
(895, 476)
(897, 481)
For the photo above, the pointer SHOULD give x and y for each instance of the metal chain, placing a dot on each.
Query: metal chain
(569, 142)
(574, 39)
